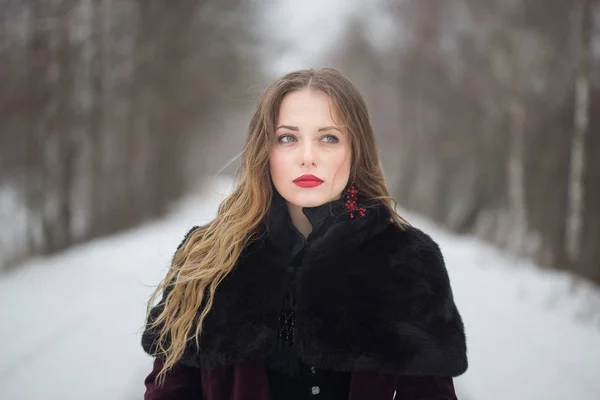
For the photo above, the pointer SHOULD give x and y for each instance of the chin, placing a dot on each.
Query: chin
(310, 198)
(307, 203)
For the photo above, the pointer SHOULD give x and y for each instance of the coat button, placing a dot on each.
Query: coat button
(316, 390)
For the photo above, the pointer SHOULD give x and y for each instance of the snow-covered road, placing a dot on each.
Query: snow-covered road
(70, 324)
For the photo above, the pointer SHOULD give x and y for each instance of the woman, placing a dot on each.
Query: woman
(307, 284)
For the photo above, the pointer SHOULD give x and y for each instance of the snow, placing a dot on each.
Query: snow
(530, 335)
(71, 323)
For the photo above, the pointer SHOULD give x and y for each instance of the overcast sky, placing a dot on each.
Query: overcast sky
(311, 25)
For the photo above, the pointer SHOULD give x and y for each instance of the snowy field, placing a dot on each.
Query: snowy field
(71, 323)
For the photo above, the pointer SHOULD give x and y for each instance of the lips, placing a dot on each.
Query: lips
(308, 178)
(307, 181)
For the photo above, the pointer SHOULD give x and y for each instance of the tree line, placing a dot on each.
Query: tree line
(105, 105)
(488, 113)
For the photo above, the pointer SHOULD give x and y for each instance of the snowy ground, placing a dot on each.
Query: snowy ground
(71, 323)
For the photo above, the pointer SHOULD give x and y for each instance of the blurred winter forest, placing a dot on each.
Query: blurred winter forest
(487, 112)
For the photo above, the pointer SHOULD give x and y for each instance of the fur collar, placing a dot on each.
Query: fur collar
(370, 297)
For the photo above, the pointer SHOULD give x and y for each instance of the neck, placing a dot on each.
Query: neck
(299, 219)
(329, 222)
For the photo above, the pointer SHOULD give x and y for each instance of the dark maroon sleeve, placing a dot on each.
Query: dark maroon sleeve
(425, 388)
(181, 383)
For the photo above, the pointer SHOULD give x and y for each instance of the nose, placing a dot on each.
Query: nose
(308, 153)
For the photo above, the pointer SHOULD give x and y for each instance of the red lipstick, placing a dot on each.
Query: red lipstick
(308, 181)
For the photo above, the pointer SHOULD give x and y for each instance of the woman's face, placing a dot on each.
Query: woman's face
(309, 142)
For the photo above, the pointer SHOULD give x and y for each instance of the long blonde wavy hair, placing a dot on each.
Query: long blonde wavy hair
(212, 250)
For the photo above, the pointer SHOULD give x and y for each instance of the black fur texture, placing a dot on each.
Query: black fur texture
(370, 297)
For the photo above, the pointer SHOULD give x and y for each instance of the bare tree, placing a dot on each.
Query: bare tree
(487, 99)
(581, 126)
(103, 109)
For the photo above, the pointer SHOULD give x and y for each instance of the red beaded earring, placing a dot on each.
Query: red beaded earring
(351, 205)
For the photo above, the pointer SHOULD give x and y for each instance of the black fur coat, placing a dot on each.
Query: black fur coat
(370, 297)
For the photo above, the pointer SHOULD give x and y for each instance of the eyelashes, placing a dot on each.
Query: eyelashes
(334, 138)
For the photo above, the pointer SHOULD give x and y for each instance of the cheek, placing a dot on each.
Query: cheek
(341, 161)
(276, 163)
(340, 166)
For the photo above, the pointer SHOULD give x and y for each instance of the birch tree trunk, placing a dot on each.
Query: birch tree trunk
(516, 176)
(582, 106)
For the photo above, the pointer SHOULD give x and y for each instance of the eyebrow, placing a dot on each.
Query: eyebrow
(295, 128)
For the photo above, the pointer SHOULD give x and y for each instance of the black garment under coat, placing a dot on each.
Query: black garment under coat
(289, 377)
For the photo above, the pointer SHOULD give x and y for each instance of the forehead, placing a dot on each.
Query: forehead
(307, 105)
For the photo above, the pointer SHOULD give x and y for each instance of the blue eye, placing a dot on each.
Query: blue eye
(279, 139)
(335, 139)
